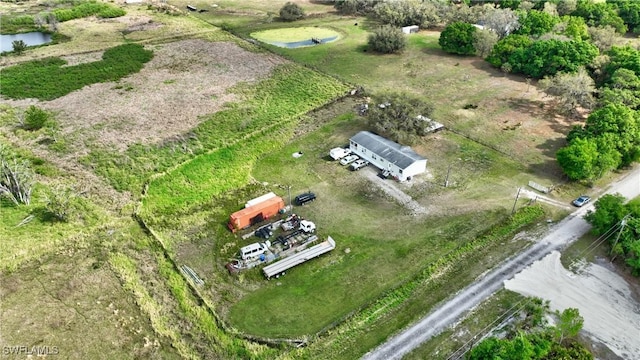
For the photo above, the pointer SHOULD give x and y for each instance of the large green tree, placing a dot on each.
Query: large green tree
(623, 123)
(536, 23)
(457, 38)
(549, 57)
(579, 159)
(600, 14)
(629, 11)
(621, 222)
(505, 47)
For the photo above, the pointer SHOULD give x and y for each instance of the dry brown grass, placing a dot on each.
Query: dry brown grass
(185, 81)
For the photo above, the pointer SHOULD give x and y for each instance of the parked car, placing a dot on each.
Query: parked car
(348, 159)
(359, 164)
(581, 201)
(304, 198)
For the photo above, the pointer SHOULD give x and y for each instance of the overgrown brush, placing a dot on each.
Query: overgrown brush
(46, 79)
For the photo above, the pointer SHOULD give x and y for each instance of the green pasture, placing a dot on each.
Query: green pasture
(293, 34)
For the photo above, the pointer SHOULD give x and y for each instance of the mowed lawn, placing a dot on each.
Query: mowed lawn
(379, 244)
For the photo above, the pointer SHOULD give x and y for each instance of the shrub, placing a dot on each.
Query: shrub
(387, 39)
(458, 38)
(291, 12)
(18, 46)
(35, 118)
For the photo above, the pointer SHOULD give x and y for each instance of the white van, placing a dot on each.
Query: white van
(253, 250)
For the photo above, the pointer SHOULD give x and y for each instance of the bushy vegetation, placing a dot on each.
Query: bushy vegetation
(387, 40)
(47, 79)
(458, 38)
(620, 223)
(610, 138)
(402, 117)
(291, 12)
(91, 8)
(530, 337)
(80, 9)
(14, 24)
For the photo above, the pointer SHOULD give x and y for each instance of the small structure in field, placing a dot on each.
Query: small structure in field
(411, 29)
(401, 162)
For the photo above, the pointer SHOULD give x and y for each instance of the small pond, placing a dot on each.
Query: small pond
(296, 44)
(31, 39)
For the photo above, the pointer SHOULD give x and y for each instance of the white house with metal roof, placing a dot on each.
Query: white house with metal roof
(400, 161)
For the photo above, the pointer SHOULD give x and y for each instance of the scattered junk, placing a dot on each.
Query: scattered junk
(258, 211)
(290, 237)
(190, 274)
(384, 105)
(362, 109)
(290, 222)
(411, 29)
(543, 189)
(297, 154)
(316, 41)
(433, 126)
(191, 8)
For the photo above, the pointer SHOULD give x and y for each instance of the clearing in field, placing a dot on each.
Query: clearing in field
(183, 82)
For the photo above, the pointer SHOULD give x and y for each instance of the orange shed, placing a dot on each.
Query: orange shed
(256, 213)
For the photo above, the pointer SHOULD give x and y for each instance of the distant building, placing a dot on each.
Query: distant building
(412, 29)
(400, 161)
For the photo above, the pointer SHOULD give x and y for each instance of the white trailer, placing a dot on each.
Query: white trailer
(278, 268)
(259, 199)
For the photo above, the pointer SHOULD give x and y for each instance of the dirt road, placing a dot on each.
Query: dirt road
(562, 234)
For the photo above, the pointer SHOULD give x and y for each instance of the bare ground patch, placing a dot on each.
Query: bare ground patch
(183, 82)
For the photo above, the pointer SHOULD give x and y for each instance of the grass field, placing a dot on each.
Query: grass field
(248, 111)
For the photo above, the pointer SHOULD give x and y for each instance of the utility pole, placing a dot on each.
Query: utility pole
(289, 192)
(516, 201)
(623, 222)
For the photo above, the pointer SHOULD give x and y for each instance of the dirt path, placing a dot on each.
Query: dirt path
(537, 197)
(604, 299)
(390, 189)
(447, 313)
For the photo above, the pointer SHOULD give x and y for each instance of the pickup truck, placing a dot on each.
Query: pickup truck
(338, 153)
(358, 164)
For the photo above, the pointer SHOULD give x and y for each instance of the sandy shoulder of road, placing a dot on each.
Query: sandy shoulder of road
(605, 300)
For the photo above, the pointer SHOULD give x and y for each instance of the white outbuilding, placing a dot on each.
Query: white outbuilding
(412, 29)
(400, 161)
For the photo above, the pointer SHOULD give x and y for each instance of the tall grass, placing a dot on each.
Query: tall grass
(99, 9)
(291, 91)
(46, 79)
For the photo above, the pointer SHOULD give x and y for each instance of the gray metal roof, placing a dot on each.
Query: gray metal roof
(401, 156)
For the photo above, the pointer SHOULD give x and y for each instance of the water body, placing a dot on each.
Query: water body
(31, 39)
(296, 44)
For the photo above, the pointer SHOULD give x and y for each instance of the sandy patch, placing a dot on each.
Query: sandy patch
(605, 300)
(183, 82)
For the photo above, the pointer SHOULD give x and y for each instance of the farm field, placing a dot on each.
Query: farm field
(160, 157)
